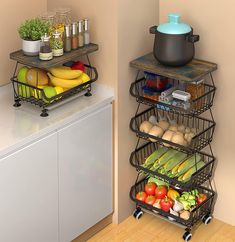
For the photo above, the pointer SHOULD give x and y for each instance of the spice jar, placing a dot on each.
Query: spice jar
(57, 44)
(74, 35)
(67, 38)
(86, 32)
(196, 89)
(80, 34)
(63, 17)
(45, 49)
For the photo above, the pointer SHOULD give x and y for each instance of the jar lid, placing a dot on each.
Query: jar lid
(48, 15)
(56, 34)
(174, 26)
(45, 37)
(63, 10)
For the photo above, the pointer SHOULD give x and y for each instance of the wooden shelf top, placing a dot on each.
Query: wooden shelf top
(193, 71)
(34, 61)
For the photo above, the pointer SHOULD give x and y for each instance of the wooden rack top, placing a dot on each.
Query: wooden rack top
(193, 71)
(34, 61)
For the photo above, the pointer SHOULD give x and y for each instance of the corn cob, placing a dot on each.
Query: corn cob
(187, 176)
(187, 164)
(163, 159)
(174, 171)
(180, 156)
(154, 156)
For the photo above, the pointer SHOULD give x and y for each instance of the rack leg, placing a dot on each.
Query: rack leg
(17, 103)
(44, 113)
(88, 94)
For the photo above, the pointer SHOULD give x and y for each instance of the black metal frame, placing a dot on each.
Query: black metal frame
(45, 102)
(195, 215)
(203, 138)
(200, 140)
(138, 156)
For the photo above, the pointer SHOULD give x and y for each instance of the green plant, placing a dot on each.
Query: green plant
(33, 29)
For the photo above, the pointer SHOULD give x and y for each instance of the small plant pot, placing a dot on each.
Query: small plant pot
(31, 48)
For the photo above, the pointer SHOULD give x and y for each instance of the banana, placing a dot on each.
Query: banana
(63, 82)
(65, 73)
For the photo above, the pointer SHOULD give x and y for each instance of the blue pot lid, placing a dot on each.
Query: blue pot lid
(174, 26)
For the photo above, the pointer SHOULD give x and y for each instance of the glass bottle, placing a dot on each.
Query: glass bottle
(57, 44)
(86, 32)
(80, 34)
(45, 48)
(49, 17)
(74, 35)
(67, 38)
(63, 17)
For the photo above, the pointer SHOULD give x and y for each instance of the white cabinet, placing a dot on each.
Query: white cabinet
(29, 193)
(85, 173)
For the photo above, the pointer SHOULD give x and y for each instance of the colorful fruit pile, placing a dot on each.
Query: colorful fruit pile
(174, 163)
(54, 82)
(169, 200)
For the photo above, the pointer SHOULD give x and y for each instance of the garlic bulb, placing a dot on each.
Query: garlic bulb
(153, 120)
(178, 206)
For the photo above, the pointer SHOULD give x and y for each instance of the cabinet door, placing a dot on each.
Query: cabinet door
(85, 173)
(29, 193)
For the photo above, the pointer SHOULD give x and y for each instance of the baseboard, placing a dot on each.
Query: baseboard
(95, 229)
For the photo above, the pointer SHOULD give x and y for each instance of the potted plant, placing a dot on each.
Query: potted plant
(31, 32)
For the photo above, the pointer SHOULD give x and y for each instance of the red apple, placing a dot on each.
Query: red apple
(78, 66)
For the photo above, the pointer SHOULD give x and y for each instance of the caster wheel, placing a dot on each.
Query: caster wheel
(206, 219)
(187, 236)
(138, 213)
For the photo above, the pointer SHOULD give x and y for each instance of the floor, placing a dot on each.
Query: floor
(152, 229)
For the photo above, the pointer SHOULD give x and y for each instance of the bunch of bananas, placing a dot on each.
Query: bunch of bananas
(67, 78)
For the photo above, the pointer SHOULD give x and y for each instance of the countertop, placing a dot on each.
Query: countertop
(23, 125)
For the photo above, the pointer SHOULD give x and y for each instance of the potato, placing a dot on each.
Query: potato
(155, 131)
(145, 126)
(163, 124)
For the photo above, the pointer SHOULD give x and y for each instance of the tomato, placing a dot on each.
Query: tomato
(141, 196)
(201, 198)
(150, 200)
(166, 203)
(161, 192)
(150, 188)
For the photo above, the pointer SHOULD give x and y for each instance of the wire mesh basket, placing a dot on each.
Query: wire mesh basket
(195, 215)
(204, 128)
(138, 158)
(197, 105)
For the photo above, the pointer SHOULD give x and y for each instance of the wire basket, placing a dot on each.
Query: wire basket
(195, 215)
(139, 156)
(205, 128)
(35, 95)
(197, 106)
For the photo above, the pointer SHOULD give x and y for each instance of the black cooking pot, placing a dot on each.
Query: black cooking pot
(174, 42)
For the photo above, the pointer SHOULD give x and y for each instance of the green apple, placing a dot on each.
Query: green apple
(49, 92)
(23, 90)
(21, 76)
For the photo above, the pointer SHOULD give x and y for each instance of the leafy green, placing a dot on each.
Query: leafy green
(33, 29)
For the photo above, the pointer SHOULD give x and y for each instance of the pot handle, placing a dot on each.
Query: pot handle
(153, 30)
(193, 38)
